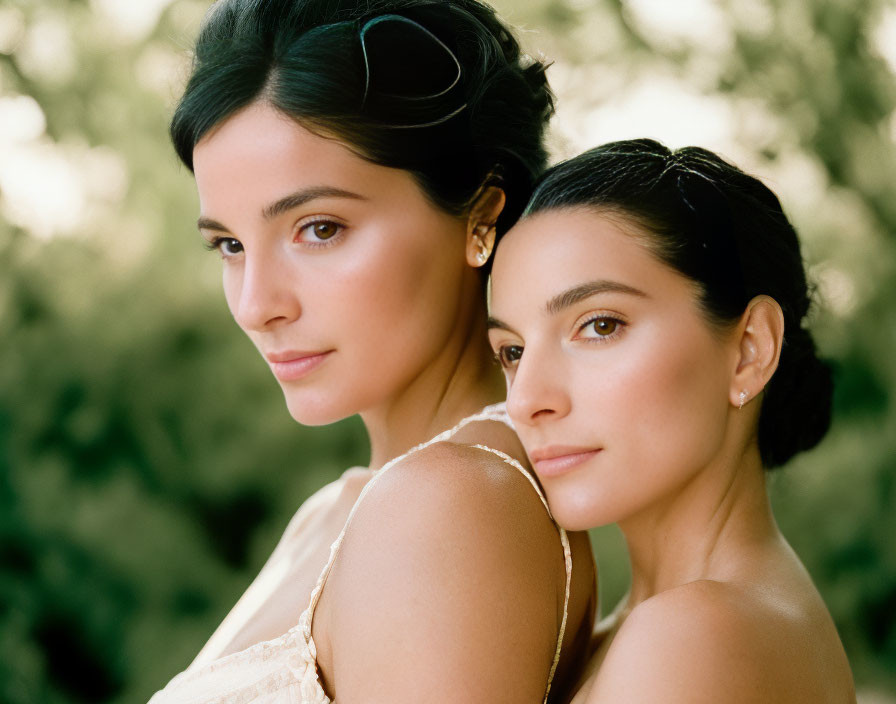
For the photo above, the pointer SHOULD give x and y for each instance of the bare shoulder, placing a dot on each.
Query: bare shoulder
(450, 497)
(464, 471)
(462, 559)
(706, 641)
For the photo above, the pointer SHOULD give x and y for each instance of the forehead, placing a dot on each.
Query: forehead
(549, 252)
(259, 153)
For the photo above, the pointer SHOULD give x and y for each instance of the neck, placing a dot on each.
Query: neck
(706, 529)
(458, 381)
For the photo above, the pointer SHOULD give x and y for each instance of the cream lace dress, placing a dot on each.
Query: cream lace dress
(284, 670)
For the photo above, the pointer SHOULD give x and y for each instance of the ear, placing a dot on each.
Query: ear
(487, 206)
(761, 334)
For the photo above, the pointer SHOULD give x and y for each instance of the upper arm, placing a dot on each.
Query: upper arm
(446, 586)
(689, 647)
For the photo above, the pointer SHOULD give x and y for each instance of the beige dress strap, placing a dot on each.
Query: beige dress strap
(567, 558)
(496, 412)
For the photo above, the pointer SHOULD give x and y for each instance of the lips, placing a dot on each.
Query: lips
(557, 460)
(291, 365)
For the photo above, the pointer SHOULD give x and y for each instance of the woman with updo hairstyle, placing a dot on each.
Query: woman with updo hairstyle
(356, 161)
(649, 310)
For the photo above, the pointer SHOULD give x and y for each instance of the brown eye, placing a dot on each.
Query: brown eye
(605, 326)
(324, 230)
(319, 231)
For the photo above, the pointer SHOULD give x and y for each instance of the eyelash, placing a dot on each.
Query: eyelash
(330, 241)
(503, 350)
(600, 339)
(216, 243)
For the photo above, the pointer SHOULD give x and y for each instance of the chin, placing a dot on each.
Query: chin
(311, 410)
(577, 511)
(574, 520)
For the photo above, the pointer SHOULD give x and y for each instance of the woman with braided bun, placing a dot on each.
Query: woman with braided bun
(356, 161)
(649, 312)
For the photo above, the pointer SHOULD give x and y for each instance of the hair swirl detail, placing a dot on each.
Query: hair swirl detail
(409, 71)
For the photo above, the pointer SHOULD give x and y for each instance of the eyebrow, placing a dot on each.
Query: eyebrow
(572, 296)
(293, 200)
(495, 324)
(578, 293)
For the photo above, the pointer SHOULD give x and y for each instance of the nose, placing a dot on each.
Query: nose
(266, 292)
(537, 391)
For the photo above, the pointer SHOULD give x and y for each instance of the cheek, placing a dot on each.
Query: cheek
(232, 282)
(670, 385)
(387, 303)
(401, 289)
(659, 410)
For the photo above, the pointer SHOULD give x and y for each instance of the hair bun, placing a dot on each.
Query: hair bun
(536, 78)
(796, 410)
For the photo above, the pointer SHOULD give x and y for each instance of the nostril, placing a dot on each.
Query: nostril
(265, 302)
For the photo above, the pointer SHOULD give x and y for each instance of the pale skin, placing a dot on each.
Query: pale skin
(628, 402)
(347, 267)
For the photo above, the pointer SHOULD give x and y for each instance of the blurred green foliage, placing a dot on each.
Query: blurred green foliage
(147, 464)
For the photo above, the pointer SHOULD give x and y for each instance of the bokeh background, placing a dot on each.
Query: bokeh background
(147, 462)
